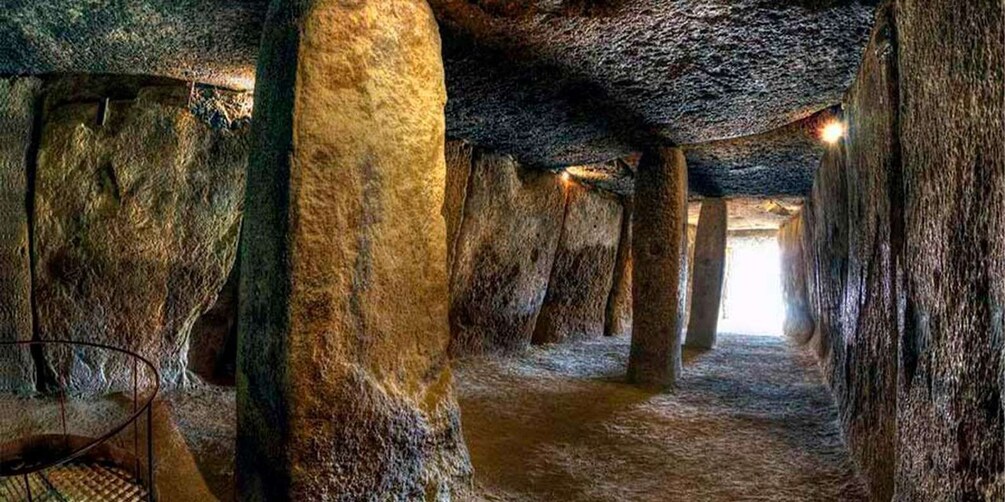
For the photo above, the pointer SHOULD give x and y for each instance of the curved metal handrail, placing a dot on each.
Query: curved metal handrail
(131, 419)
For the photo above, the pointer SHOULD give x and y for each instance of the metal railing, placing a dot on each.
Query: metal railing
(66, 403)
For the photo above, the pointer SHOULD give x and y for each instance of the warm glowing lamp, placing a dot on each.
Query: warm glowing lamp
(832, 132)
(565, 177)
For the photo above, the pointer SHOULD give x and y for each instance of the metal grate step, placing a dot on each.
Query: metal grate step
(73, 482)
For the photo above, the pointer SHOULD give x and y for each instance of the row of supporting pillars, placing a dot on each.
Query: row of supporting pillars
(343, 318)
(659, 281)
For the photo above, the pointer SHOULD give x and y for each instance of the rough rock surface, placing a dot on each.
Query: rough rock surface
(904, 250)
(659, 281)
(692, 234)
(708, 268)
(950, 420)
(773, 163)
(137, 210)
(511, 228)
(618, 320)
(608, 75)
(213, 42)
(870, 306)
(583, 271)
(18, 99)
(798, 324)
(554, 82)
(344, 384)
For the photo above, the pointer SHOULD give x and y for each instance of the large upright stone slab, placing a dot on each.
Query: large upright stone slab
(583, 272)
(950, 417)
(659, 252)
(798, 325)
(692, 232)
(137, 210)
(708, 270)
(618, 320)
(873, 307)
(508, 237)
(344, 385)
(18, 98)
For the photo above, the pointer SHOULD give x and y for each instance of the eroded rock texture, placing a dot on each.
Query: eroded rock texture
(504, 254)
(552, 82)
(870, 304)
(949, 417)
(18, 99)
(583, 271)
(904, 248)
(565, 83)
(659, 281)
(778, 162)
(137, 210)
(213, 42)
(618, 320)
(344, 385)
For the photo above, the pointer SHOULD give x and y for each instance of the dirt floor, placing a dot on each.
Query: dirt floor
(206, 415)
(750, 422)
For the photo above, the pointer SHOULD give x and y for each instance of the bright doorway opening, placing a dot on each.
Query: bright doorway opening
(752, 289)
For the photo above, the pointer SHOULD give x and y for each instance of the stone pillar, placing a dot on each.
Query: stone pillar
(659, 250)
(707, 270)
(17, 107)
(344, 386)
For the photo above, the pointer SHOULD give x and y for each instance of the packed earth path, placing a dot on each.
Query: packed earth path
(750, 421)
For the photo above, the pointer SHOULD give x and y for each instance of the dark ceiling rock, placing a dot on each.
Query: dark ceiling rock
(775, 163)
(564, 82)
(214, 42)
(779, 162)
(552, 82)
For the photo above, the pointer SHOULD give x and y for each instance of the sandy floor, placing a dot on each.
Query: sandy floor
(206, 415)
(751, 422)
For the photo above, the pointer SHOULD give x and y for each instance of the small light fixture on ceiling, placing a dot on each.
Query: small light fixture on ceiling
(832, 132)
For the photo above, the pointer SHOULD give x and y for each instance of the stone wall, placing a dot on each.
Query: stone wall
(510, 227)
(582, 275)
(618, 321)
(132, 190)
(904, 250)
(532, 257)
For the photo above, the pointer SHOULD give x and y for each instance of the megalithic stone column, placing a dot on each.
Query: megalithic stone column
(708, 270)
(344, 386)
(659, 254)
